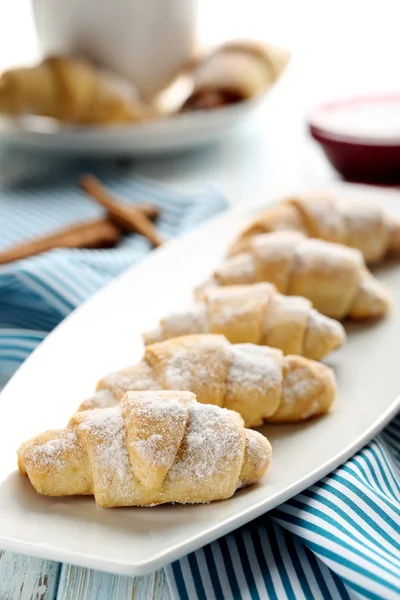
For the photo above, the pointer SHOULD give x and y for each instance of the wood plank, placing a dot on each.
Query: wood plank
(161, 589)
(77, 583)
(27, 578)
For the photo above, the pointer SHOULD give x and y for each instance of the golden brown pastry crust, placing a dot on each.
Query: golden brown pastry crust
(155, 447)
(244, 377)
(255, 314)
(357, 223)
(68, 90)
(332, 276)
(234, 72)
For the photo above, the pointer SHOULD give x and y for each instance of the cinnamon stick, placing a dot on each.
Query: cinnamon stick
(94, 234)
(149, 210)
(129, 218)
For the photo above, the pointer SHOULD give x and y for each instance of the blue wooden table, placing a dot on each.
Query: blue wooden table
(26, 578)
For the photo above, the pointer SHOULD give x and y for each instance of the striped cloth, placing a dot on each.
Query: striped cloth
(38, 197)
(338, 539)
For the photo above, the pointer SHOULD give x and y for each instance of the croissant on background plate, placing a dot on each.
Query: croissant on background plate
(71, 91)
(256, 314)
(234, 72)
(332, 276)
(155, 447)
(358, 223)
(256, 381)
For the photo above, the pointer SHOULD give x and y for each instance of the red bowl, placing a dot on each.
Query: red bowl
(361, 137)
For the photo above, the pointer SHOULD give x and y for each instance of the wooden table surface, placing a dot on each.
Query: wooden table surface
(272, 149)
(27, 578)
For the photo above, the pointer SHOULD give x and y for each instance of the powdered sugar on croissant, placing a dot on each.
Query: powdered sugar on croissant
(332, 276)
(155, 447)
(256, 381)
(256, 314)
(355, 222)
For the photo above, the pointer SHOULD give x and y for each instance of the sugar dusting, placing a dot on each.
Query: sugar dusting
(241, 292)
(210, 454)
(323, 210)
(149, 450)
(231, 302)
(110, 446)
(299, 384)
(54, 452)
(193, 320)
(295, 306)
(227, 313)
(331, 256)
(179, 372)
(213, 439)
(276, 245)
(258, 450)
(236, 269)
(352, 221)
(156, 408)
(256, 367)
(330, 327)
(104, 399)
(136, 378)
(362, 214)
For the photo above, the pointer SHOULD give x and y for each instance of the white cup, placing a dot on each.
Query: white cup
(148, 41)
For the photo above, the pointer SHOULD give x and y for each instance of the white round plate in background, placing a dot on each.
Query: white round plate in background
(166, 134)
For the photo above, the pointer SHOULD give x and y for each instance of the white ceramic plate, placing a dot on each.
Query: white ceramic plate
(176, 133)
(104, 334)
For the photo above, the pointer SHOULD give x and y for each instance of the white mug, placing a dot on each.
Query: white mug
(148, 41)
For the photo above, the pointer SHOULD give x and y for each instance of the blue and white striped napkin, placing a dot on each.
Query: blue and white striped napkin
(338, 539)
(35, 199)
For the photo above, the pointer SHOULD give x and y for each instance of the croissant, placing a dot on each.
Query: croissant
(234, 72)
(360, 224)
(68, 90)
(334, 277)
(256, 381)
(257, 314)
(155, 447)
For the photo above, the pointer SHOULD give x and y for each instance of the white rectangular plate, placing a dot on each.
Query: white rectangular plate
(103, 335)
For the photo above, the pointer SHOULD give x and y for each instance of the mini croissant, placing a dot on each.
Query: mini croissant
(256, 381)
(234, 72)
(256, 314)
(155, 447)
(69, 90)
(358, 223)
(332, 276)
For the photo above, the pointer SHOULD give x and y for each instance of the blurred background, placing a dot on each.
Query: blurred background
(338, 49)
